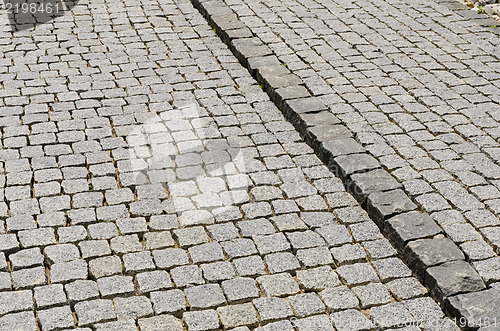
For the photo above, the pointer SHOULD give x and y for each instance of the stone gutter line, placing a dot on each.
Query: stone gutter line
(435, 259)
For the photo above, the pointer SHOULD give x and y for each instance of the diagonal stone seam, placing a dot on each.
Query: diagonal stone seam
(435, 259)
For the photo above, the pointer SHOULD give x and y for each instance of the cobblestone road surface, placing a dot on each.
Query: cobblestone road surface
(419, 86)
(149, 183)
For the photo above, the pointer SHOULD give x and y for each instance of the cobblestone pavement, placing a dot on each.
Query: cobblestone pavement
(417, 85)
(148, 182)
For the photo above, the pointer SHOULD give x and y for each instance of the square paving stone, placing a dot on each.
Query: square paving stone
(115, 285)
(305, 239)
(283, 325)
(132, 307)
(205, 296)
(94, 248)
(218, 271)
(424, 309)
(105, 266)
(271, 243)
(378, 249)
(288, 222)
(15, 301)
(351, 215)
(158, 240)
(187, 275)
(26, 258)
(81, 290)
(56, 318)
(223, 232)
(477, 250)
(153, 281)
(203, 320)
(280, 262)
(278, 284)
(357, 274)
(348, 254)
(335, 235)
(312, 257)
(168, 301)
(317, 322)
(306, 304)
(249, 266)
(23, 321)
(240, 289)
(61, 253)
(272, 309)
(365, 231)
(102, 230)
(452, 278)
(339, 298)
(191, 236)
(208, 252)
(140, 261)
(94, 311)
(255, 228)
(160, 322)
(317, 219)
(391, 268)
(239, 247)
(238, 315)
(317, 279)
(27, 278)
(372, 294)
(123, 325)
(170, 257)
(391, 315)
(351, 320)
(49, 295)
(406, 288)
(488, 269)
(126, 244)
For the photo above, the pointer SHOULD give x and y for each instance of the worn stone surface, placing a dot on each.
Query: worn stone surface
(410, 226)
(151, 182)
(476, 307)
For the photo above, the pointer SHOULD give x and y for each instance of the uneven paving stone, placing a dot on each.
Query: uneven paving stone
(475, 307)
(454, 277)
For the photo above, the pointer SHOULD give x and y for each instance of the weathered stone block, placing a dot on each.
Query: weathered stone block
(425, 253)
(453, 278)
(382, 205)
(363, 184)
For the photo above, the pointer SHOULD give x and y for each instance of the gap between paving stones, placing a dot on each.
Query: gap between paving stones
(437, 260)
